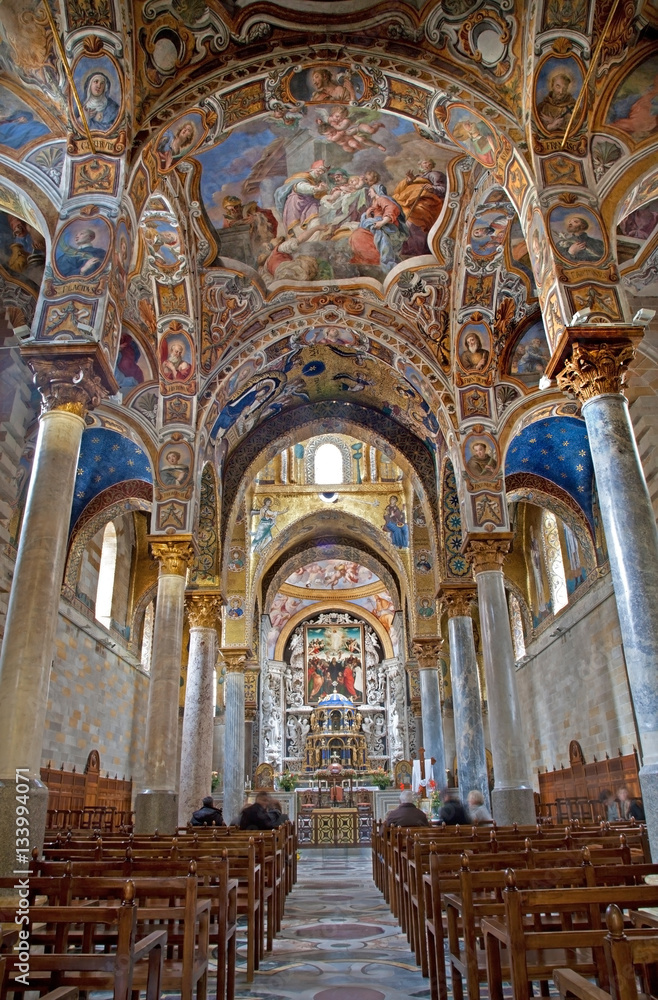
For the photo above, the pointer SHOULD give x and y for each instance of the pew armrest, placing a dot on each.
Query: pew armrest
(158, 939)
(571, 984)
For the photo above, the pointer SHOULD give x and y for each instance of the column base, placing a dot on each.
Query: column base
(649, 786)
(37, 805)
(513, 805)
(156, 811)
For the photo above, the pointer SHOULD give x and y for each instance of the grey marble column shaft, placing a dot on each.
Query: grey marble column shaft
(156, 804)
(31, 624)
(467, 702)
(430, 702)
(513, 797)
(632, 540)
(234, 743)
(198, 723)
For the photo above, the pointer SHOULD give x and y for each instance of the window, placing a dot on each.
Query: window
(328, 465)
(106, 570)
(147, 636)
(553, 553)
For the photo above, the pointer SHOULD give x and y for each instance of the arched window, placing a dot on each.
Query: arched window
(516, 623)
(328, 465)
(105, 588)
(147, 636)
(553, 553)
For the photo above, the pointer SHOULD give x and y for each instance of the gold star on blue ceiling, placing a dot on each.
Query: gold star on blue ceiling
(96, 472)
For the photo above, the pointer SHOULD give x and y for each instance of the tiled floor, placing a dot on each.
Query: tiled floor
(338, 940)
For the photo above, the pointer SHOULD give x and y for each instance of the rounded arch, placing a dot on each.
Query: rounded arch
(108, 505)
(333, 605)
(544, 493)
(318, 442)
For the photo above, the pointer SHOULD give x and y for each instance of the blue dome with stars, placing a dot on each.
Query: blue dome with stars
(106, 458)
(556, 449)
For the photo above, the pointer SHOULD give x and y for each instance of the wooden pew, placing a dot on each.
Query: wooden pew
(118, 971)
(527, 932)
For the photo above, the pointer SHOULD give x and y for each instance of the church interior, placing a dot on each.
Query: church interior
(328, 407)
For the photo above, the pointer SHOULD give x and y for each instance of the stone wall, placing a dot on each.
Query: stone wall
(96, 700)
(573, 684)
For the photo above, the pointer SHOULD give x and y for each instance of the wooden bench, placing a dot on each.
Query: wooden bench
(88, 969)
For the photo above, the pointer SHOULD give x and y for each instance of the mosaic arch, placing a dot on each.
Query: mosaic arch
(543, 493)
(288, 428)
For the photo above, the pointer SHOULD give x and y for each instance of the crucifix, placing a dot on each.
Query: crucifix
(423, 760)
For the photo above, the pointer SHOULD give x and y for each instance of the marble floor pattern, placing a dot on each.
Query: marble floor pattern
(338, 940)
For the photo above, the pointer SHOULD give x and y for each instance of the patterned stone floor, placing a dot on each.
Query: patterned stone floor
(338, 940)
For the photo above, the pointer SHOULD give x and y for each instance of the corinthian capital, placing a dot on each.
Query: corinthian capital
(173, 552)
(72, 378)
(456, 600)
(237, 659)
(203, 608)
(427, 652)
(487, 552)
(595, 369)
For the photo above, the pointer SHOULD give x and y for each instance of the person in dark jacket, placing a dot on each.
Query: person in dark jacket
(406, 814)
(208, 815)
(257, 816)
(277, 813)
(452, 812)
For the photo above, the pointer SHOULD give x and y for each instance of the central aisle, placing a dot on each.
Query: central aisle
(338, 940)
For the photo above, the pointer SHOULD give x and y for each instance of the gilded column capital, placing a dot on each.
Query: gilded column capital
(487, 552)
(70, 378)
(427, 652)
(456, 600)
(203, 608)
(250, 714)
(173, 552)
(237, 659)
(590, 361)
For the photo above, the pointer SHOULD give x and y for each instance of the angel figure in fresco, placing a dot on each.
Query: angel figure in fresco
(327, 87)
(351, 131)
(262, 535)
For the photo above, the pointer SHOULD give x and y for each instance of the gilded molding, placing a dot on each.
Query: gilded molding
(595, 370)
(237, 659)
(414, 680)
(203, 608)
(173, 552)
(251, 683)
(250, 714)
(427, 652)
(487, 554)
(456, 601)
(70, 385)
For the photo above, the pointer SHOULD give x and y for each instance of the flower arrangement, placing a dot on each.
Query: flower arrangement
(379, 777)
(214, 781)
(287, 781)
(434, 796)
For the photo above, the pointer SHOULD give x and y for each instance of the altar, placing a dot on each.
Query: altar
(335, 827)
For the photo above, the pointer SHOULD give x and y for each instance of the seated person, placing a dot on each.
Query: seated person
(257, 815)
(452, 812)
(629, 808)
(277, 813)
(406, 814)
(609, 805)
(476, 807)
(208, 815)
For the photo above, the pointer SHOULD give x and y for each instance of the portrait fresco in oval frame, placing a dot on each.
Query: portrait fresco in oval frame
(176, 355)
(82, 248)
(473, 134)
(488, 231)
(175, 464)
(631, 109)
(326, 84)
(475, 357)
(557, 86)
(481, 456)
(180, 139)
(98, 83)
(576, 235)
(531, 354)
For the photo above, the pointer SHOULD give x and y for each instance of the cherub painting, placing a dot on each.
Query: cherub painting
(351, 130)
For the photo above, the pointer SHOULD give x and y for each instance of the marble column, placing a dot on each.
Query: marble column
(156, 803)
(466, 694)
(414, 693)
(512, 799)
(237, 663)
(249, 718)
(203, 609)
(68, 388)
(594, 373)
(427, 653)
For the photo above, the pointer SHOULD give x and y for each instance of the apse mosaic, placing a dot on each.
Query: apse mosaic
(341, 192)
(106, 458)
(556, 449)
